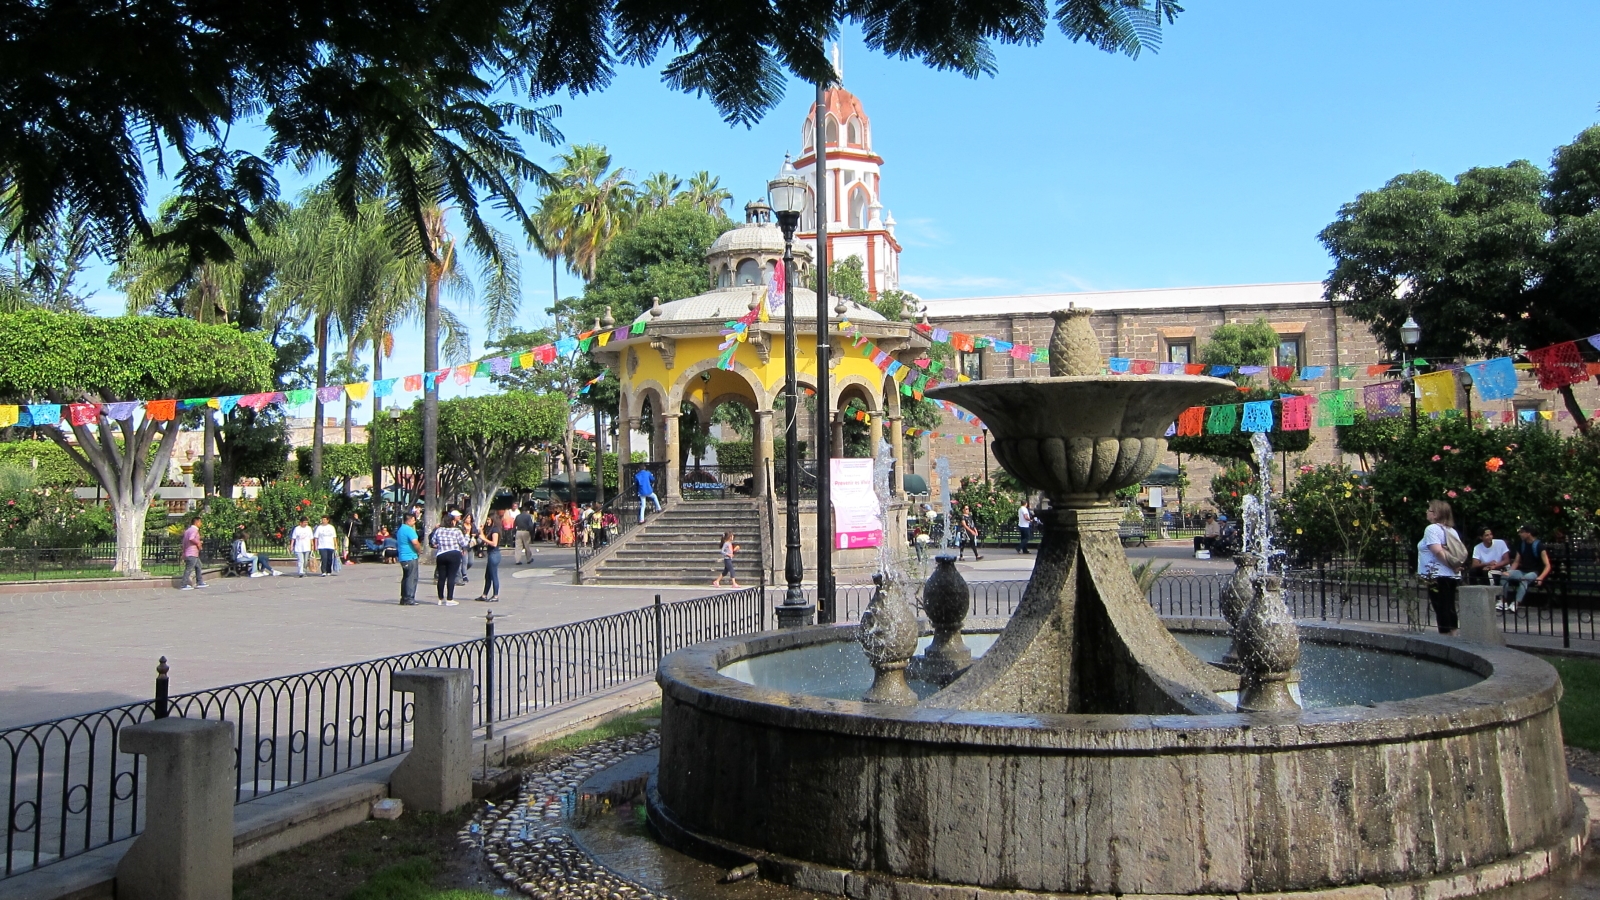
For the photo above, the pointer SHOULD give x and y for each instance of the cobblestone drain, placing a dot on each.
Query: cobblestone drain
(526, 842)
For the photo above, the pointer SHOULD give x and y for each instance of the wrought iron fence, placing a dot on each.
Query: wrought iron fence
(68, 789)
(161, 556)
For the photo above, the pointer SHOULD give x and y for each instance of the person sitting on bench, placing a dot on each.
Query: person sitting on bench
(1529, 562)
(260, 564)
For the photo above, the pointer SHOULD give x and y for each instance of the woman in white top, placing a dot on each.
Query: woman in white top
(300, 543)
(1433, 564)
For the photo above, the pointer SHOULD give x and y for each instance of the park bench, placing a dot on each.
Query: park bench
(1132, 533)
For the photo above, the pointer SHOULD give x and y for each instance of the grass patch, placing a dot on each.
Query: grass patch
(1580, 701)
(414, 857)
(622, 726)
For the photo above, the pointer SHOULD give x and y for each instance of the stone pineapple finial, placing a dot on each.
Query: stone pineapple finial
(1074, 350)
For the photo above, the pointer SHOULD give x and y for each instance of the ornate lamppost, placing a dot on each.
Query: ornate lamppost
(1411, 336)
(787, 193)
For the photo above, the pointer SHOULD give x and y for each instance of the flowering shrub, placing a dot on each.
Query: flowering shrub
(1230, 486)
(1498, 477)
(283, 503)
(1329, 511)
(50, 517)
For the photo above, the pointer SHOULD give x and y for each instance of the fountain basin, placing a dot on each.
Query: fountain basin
(833, 793)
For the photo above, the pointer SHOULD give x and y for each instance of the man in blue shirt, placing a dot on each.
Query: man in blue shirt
(410, 549)
(646, 482)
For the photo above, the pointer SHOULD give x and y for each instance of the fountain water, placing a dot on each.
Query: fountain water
(1087, 750)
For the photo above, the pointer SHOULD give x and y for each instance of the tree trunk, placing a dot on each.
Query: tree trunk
(600, 457)
(208, 454)
(372, 434)
(322, 379)
(1578, 418)
(349, 410)
(430, 398)
(118, 456)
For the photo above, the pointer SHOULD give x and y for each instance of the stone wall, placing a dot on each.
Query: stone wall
(1328, 337)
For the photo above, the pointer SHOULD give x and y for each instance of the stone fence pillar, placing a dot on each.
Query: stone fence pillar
(436, 776)
(186, 849)
(1475, 609)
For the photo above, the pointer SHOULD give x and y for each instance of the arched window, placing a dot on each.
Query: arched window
(725, 277)
(832, 126)
(808, 213)
(852, 131)
(858, 209)
(808, 133)
(768, 270)
(749, 273)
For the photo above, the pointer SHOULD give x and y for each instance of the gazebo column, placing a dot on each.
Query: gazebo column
(625, 426)
(836, 446)
(897, 449)
(674, 460)
(874, 433)
(763, 446)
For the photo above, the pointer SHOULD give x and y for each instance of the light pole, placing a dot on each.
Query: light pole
(1466, 382)
(787, 195)
(1411, 336)
(824, 435)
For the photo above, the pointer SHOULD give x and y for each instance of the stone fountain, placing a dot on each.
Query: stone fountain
(1087, 751)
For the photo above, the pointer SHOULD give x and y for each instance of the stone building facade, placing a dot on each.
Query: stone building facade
(1173, 325)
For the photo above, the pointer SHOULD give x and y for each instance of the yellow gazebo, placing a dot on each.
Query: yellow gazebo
(674, 363)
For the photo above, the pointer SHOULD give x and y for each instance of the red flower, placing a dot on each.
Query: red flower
(1436, 457)
(1450, 494)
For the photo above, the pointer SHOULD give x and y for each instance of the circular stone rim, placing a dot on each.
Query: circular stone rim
(1515, 686)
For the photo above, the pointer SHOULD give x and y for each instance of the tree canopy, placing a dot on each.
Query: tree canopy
(1239, 344)
(1500, 260)
(489, 436)
(63, 358)
(363, 85)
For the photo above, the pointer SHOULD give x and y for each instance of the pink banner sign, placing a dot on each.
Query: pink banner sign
(856, 521)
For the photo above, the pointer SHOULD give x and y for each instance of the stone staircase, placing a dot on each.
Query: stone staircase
(681, 545)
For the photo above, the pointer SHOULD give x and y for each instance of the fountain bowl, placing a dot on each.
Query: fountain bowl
(1081, 438)
(1435, 796)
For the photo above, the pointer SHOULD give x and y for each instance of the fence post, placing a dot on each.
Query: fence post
(1566, 632)
(186, 850)
(660, 647)
(161, 688)
(1322, 586)
(488, 674)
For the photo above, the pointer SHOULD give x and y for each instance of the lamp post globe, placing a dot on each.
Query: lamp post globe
(1411, 336)
(787, 194)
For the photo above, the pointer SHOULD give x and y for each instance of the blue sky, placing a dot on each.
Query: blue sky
(1215, 161)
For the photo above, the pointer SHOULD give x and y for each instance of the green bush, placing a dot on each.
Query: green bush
(51, 516)
(221, 516)
(49, 463)
(1230, 486)
(281, 505)
(1328, 512)
(993, 506)
(735, 453)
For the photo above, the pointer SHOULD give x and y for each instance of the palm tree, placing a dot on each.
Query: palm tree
(706, 192)
(586, 206)
(659, 190)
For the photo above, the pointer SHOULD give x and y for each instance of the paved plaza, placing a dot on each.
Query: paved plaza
(70, 651)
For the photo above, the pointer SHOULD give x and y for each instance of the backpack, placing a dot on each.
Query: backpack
(1455, 552)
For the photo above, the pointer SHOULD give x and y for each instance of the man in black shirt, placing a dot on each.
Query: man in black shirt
(1530, 562)
(524, 524)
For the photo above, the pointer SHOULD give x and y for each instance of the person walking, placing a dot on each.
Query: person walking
(645, 481)
(968, 534)
(1440, 558)
(524, 525)
(1490, 557)
(260, 563)
(1024, 526)
(449, 545)
(729, 548)
(191, 556)
(300, 542)
(469, 529)
(1530, 563)
(490, 538)
(327, 539)
(410, 553)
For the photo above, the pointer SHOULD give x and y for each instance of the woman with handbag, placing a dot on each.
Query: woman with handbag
(1440, 558)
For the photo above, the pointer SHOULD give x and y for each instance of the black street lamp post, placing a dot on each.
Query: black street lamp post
(1411, 336)
(1466, 383)
(787, 194)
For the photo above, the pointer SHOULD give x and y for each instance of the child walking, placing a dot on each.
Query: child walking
(729, 548)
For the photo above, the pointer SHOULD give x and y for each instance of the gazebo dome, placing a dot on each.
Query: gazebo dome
(722, 304)
(753, 237)
(747, 254)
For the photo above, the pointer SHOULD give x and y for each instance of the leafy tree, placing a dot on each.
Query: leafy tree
(1230, 486)
(488, 436)
(847, 278)
(60, 358)
(1236, 344)
(659, 190)
(1239, 344)
(706, 194)
(1499, 260)
(44, 270)
(46, 464)
(332, 87)
(587, 206)
(340, 462)
(993, 506)
(281, 505)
